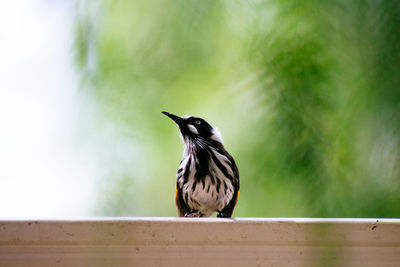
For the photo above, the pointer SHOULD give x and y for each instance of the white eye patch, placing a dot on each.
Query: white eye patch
(193, 129)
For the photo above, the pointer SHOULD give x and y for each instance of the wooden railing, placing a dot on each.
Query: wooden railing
(200, 242)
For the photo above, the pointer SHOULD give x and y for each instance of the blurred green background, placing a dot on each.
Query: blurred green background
(305, 93)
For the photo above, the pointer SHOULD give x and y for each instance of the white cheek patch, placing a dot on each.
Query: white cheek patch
(193, 129)
(216, 136)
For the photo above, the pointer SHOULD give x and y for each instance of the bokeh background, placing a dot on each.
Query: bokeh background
(305, 93)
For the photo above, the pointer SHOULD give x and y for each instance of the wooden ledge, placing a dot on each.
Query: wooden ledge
(200, 241)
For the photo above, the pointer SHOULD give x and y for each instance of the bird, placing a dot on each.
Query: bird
(207, 180)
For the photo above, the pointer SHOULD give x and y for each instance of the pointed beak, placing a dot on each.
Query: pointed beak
(175, 118)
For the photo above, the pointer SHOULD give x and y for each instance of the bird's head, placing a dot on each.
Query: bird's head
(195, 128)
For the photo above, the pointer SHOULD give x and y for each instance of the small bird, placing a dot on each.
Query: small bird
(207, 180)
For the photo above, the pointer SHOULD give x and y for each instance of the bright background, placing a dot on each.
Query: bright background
(49, 165)
(305, 93)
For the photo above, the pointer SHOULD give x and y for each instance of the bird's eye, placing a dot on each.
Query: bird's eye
(197, 122)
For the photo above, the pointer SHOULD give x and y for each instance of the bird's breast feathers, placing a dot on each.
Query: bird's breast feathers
(209, 192)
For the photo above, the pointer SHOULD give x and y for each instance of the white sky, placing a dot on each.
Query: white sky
(43, 170)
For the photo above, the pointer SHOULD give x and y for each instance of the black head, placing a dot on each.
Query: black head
(193, 127)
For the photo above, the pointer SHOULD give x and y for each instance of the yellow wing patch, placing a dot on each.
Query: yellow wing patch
(237, 197)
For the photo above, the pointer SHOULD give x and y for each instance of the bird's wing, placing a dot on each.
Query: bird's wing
(228, 210)
(181, 205)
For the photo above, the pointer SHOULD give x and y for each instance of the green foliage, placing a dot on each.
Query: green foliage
(305, 93)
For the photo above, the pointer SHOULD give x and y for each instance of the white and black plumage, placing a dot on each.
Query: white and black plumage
(207, 178)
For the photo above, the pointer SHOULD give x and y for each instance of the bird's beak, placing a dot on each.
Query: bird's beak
(175, 118)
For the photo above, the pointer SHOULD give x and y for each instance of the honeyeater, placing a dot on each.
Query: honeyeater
(207, 180)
